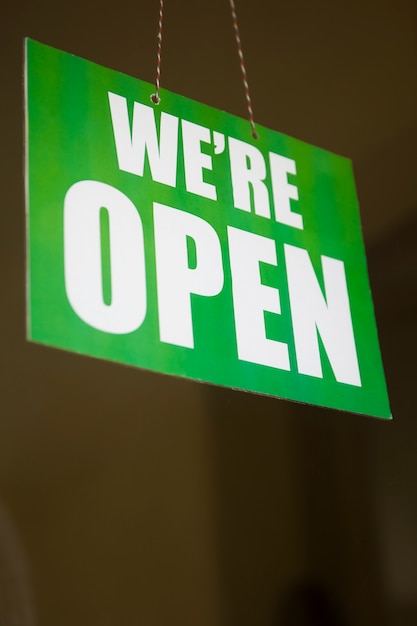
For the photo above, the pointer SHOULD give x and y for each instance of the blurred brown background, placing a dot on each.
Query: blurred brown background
(134, 498)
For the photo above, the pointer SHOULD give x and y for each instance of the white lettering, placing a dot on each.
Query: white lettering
(248, 168)
(83, 258)
(176, 281)
(251, 298)
(130, 145)
(196, 161)
(312, 313)
(283, 191)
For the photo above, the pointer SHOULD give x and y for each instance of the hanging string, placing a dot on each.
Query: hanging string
(243, 68)
(155, 96)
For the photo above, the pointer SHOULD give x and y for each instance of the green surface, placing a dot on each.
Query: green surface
(70, 138)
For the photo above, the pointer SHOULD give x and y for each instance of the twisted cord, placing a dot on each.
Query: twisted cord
(155, 96)
(243, 69)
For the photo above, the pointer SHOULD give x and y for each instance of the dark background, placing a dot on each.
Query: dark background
(133, 498)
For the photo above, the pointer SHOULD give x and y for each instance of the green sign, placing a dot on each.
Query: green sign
(166, 237)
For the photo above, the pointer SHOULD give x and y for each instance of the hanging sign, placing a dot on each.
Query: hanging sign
(168, 238)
